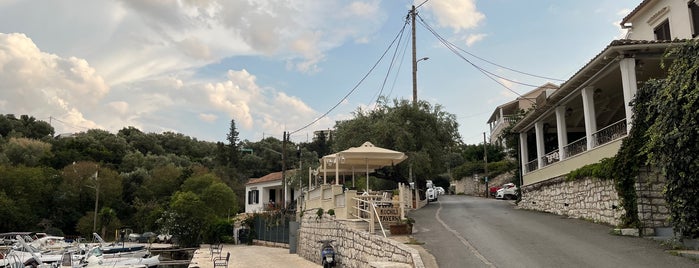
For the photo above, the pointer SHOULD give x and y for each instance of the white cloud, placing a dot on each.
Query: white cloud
(127, 40)
(120, 107)
(473, 38)
(457, 14)
(208, 117)
(133, 62)
(43, 84)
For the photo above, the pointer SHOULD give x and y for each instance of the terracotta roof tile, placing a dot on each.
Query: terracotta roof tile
(274, 176)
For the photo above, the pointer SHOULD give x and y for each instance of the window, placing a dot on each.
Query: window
(662, 31)
(253, 197)
(272, 195)
(694, 15)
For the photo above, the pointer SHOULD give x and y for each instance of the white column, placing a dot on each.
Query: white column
(590, 115)
(562, 130)
(523, 150)
(540, 149)
(628, 84)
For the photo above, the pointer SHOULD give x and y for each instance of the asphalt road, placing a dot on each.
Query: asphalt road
(463, 231)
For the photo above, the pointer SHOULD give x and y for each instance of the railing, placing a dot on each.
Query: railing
(575, 147)
(610, 133)
(366, 210)
(551, 158)
(532, 165)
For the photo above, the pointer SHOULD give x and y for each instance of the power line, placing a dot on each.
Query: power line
(390, 67)
(355, 87)
(488, 74)
(68, 124)
(488, 61)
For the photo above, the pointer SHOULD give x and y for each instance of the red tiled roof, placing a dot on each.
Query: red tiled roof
(274, 176)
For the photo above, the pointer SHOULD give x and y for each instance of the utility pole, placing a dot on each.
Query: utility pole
(412, 17)
(284, 170)
(485, 158)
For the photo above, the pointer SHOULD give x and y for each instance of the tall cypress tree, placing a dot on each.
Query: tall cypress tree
(233, 150)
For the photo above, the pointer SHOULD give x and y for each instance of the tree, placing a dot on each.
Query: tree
(424, 132)
(29, 190)
(29, 152)
(233, 148)
(26, 126)
(187, 218)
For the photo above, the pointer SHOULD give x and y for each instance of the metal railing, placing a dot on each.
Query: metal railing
(551, 158)
(575, 147)
(532, 165)
(366, 211)
(609, 133)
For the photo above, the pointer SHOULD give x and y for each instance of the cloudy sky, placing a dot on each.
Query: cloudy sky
(190, 66)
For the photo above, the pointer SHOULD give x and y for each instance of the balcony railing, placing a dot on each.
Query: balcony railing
(610, 133)
(551, 158)
(575, 147)
(532, 165)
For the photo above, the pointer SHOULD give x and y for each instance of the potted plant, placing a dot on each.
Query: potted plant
(403, 227)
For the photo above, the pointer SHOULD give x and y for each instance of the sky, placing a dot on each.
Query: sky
(192, 66)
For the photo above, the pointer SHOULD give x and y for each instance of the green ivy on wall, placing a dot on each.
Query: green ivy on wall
(673, 136)
(665, 134)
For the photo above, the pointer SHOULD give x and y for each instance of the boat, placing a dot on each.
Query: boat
(111, 248)
(95, 258)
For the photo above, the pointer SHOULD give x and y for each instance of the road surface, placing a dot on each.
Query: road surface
(463, 231)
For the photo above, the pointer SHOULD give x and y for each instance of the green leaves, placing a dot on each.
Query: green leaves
(665, 133)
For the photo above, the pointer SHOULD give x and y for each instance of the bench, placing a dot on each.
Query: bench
(221, 261)
(215, 250)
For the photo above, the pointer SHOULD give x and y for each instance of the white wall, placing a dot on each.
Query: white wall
(677, 12)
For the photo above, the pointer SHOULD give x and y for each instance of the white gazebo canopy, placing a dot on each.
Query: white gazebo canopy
(366, 157)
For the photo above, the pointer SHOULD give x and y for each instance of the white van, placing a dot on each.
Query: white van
(431, 192)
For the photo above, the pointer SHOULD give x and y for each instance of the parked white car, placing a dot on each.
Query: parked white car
(431, 194)
(440, 190)
(508, 191)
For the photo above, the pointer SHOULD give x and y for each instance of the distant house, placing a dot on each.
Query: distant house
(507, 113)
(265, 193)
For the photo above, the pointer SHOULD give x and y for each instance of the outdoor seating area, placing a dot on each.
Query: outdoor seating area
(215, 250)
(222, 261)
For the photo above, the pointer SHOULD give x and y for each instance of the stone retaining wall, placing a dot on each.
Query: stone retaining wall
(652, 207)
(591, 199)
(595, 199)
(355, 248)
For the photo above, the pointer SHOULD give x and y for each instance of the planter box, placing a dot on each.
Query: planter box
(401, 229)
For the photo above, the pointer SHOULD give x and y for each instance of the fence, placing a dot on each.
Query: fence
(272, 227)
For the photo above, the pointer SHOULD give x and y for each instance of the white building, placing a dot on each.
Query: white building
(509, 112)
(588, 116)
(265, 193)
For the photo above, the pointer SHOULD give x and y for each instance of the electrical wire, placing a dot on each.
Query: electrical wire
(390, 67)
(68, 124)
(421, 4)
(488, 74)
(355, 87)
(496, 64)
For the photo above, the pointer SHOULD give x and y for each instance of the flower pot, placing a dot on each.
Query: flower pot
(401, 229)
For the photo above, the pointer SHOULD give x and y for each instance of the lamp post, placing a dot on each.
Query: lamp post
(415, 78)
(97, 198)
(97, 191)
